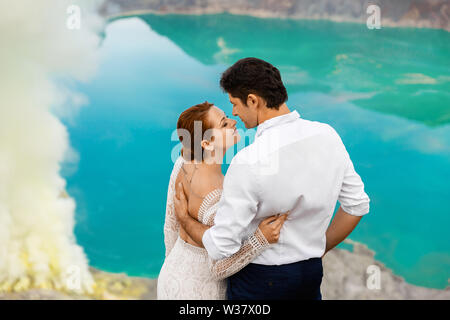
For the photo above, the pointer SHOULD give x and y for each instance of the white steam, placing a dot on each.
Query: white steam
(37, 244)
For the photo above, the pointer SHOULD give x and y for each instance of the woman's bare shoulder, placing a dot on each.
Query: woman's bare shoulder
(205, 182)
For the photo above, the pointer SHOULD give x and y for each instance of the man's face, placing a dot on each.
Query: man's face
(247, 115)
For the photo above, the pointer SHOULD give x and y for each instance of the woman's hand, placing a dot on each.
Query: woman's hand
(271, 226)
(180, 204)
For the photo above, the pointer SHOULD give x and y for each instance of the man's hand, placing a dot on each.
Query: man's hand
(180, 204)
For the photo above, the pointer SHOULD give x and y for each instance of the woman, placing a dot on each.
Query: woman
(188, 273)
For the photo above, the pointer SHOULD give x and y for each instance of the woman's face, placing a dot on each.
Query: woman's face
(223, 129)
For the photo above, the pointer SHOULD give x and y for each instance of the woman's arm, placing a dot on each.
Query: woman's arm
(171, 225)
(267, 232)
(249, 250)
(193, 228)
(171, 229)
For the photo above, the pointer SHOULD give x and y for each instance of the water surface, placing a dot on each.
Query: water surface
(386, 92)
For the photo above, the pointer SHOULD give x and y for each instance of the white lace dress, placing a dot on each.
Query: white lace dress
(188, 273)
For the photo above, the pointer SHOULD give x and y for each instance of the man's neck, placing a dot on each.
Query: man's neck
(269, 113)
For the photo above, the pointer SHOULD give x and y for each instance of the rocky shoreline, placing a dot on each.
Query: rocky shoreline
(401, 13)
(345, 277)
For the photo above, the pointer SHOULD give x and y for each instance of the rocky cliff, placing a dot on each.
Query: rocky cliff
(345, 277)
(412, 13)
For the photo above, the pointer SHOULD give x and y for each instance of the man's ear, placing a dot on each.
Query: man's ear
(207, 145)
(252, 101)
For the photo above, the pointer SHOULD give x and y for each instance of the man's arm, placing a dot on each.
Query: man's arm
(354, 203)
(194, 228)
(236, 209)
(341, 226)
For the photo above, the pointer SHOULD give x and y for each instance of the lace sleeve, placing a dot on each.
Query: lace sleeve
(249, 250)
(171, 225)
(171, 230)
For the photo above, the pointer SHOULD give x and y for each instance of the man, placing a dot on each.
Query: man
(293, 165)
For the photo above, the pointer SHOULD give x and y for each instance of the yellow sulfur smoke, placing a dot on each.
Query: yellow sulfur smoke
(38, 45)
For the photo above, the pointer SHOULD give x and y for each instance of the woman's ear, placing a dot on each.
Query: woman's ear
(207, 145)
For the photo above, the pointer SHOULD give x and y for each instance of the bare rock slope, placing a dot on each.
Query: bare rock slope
(407, 13)
(345, 277)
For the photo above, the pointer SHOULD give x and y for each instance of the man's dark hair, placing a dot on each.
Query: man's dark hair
(255, 76)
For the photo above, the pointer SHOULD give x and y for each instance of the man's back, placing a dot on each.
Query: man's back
(296, 165)
(302, 165)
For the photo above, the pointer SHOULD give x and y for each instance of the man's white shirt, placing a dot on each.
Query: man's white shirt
(293, 164)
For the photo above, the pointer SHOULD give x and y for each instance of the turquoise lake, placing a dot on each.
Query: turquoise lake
(386, 92)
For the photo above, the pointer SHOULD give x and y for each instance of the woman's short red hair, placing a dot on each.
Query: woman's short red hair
(186, 122)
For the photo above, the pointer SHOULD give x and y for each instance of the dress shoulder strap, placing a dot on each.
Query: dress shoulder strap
(209, 201)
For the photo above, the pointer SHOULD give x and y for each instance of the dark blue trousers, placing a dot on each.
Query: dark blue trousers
(299, 280)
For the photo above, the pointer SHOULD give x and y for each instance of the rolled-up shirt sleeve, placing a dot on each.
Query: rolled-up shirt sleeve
(236, 210)
(352, 197)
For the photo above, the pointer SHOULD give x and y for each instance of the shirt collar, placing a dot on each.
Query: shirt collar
(276, 121)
